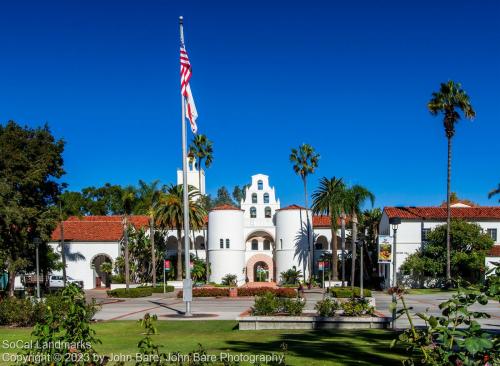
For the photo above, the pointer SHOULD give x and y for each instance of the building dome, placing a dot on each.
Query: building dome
(226, 245)
(292, 245)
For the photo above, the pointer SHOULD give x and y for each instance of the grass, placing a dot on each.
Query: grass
(429, 291)
(325, 347)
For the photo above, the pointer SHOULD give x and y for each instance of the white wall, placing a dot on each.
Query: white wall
(260, 206)
(81, 270)
(192, 177)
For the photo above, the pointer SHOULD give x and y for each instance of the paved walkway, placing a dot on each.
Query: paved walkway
(169, 307)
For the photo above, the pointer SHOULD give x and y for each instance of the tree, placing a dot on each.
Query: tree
(469, 244)
(370, 220)
(355, 197)
(239, 194)
(449, 100)
(31, 165)
(223, 197)
(148, 195)
(494, 192)
(201, 148)
(169, 212)
(304, 162)
(128, 200)
(328, 199)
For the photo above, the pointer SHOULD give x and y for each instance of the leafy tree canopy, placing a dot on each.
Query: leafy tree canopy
(469, 246)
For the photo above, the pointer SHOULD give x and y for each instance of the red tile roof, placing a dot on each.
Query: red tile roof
(494, 251)
(292, 207)
(226, 207)
(96, 228)
(321, 220)
(439, 213)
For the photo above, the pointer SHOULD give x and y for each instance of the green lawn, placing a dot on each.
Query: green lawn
(333, 347)
(429, 291)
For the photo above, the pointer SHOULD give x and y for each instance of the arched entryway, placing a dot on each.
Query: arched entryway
(102, 265)
(260, 268)
(261, 272)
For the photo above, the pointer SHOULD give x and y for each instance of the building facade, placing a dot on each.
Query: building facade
(256, 241)
(417, 222)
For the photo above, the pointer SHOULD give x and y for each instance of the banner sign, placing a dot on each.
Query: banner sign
(166, 265)
(385, 248)
(321, 265)
(191, 265)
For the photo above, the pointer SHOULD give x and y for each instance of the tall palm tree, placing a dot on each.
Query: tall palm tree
(169, 213)
(148, 197)
(355, 197)
(202, 148)
(450, 99)
(129, 200)
(328, 199)
(305, 161)
(494, 192)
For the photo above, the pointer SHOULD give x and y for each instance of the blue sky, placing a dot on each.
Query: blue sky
(350, 78)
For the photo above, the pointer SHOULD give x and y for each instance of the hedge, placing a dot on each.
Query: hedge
(259, 291)
(131, 292)
(159, 289)
(208, 292)
(345, 292)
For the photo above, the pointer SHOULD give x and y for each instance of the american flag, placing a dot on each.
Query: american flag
(186, 73)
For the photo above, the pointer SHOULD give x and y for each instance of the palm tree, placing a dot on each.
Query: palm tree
(128, 200)
(328, 199)
(305, 161)
(169, 213)
(201, 148)
(494, 192)
(449, 100)
(355, 197)
(148, 197)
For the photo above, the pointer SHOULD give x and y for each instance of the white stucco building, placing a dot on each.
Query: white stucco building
(416, 223)
(255, 242)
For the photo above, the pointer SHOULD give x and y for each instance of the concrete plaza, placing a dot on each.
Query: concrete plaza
(169, 307)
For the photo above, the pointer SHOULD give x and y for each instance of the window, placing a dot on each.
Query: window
(493, 234)
(227, 243)
(254, 197)
(253, 212)
(266, 197)
(267, 245)
(260, 185)
(281, 243)
(268, 212)
(222, 243)
(202, 245)
(255, 244)
(318, 245)
(425, 234)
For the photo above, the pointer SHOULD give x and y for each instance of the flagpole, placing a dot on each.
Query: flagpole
(187, 285)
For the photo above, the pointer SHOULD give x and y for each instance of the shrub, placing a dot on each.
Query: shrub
(267, 304)
(159, 289)
(131, 292)
(327, 307)
(357, 307)
(20, 312)
(207, 292)
(345, 292)
(291, 276)
(293, 307)
(230, 280)
(259, 291)
(118, 278)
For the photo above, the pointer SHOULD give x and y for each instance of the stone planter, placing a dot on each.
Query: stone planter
(233, 292)
(312, 322)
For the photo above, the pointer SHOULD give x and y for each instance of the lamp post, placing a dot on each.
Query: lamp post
(394, 222)
(37, 242)
(361, 292)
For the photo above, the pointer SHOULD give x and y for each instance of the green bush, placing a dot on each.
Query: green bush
(345, 292)
(159, 289)
(293, 307)
(267, 304)
(131, 292)
(118, 278)
(327, 307)
(20, 312)
(259, 291)
(357, 307)
(230, 280)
